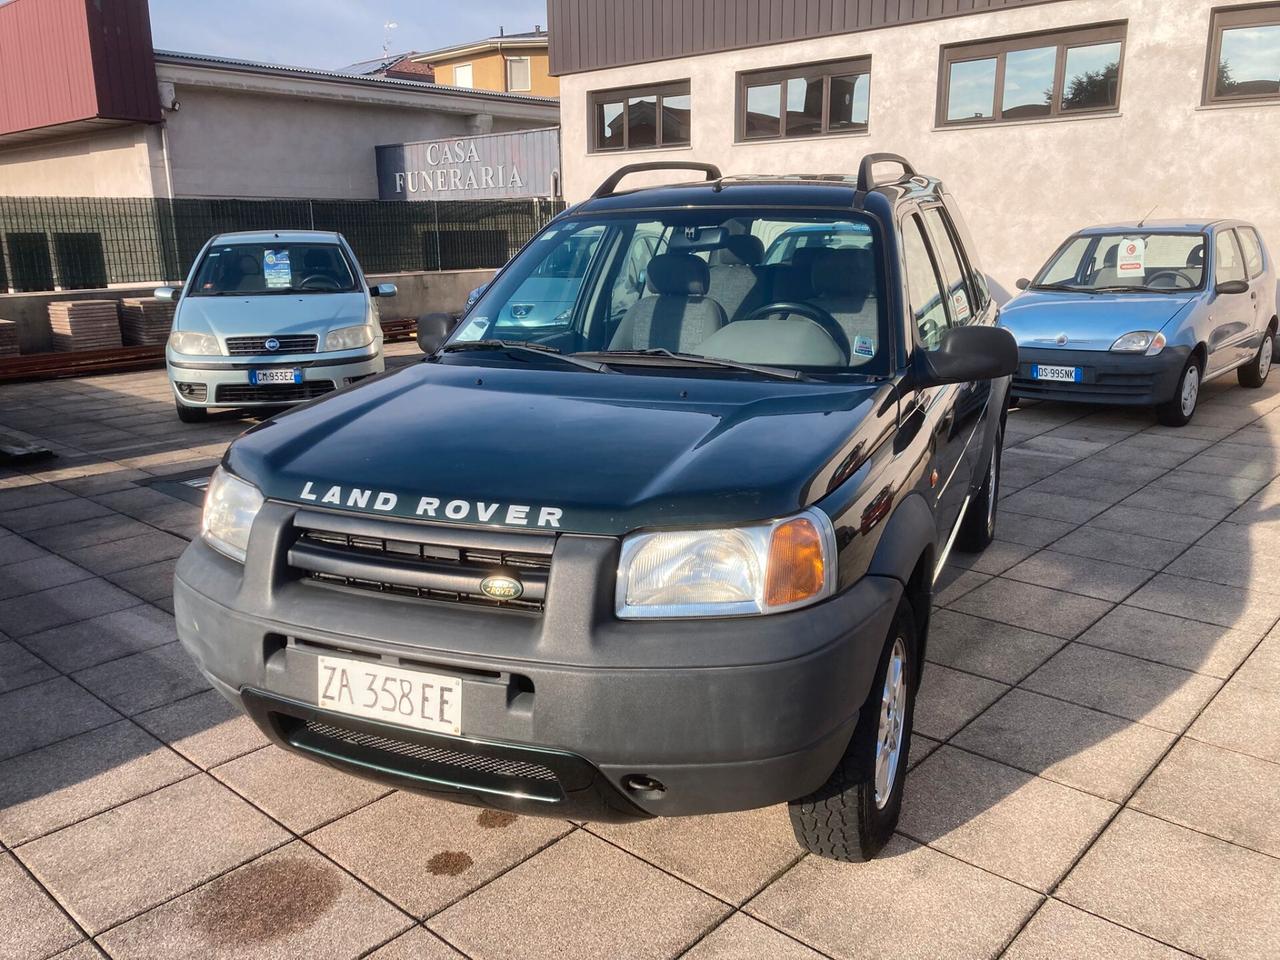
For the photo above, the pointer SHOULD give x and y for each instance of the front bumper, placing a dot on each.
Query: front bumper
(226, 384)
(1108, 378)
(726, 714)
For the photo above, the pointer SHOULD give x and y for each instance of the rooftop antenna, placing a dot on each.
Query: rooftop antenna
(386, 37)
(1143, 221)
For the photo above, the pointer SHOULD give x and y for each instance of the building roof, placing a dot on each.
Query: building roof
(534, 38)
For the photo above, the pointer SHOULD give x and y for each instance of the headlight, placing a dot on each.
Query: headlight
(740, 571)
(230, 504)
(349, 338)
(1142, 341)
(194, 344)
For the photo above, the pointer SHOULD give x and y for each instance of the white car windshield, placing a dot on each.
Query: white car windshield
(257, 269)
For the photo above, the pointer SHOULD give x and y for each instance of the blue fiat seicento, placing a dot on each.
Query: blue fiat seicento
(1143, 314)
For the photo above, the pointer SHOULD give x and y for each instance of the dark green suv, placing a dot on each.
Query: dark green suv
(669, 554)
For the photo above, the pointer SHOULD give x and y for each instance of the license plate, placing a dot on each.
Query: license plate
(1042, 371)
(275, 375)
(410, 698)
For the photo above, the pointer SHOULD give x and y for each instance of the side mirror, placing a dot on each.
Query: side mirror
(966, 354)
(1232, 286)
(1022, 283)
(433, 329)
(383, 290)
(166, 293)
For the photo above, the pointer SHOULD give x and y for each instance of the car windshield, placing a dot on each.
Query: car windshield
(1127, 262)
(658, 289)
(273, 268)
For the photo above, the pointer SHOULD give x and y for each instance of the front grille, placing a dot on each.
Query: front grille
(422, 561)
(234, 393)
(257, 346)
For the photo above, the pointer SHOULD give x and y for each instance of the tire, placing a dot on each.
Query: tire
(843, 819)
(978, 528)
(190, 414)
(1012, 402)
(1181, 407)
(1254, 373)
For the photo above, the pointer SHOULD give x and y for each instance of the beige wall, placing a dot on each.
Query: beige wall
(1023, 186)
(114, 162)
(489, 72)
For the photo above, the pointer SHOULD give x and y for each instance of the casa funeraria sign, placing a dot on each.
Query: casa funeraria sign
(490, 167)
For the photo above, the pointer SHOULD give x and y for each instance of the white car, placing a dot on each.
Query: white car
(271, 318)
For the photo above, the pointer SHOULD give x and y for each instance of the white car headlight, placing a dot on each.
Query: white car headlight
(194, 344)
(740, 571)
(230, 504)
(1141, 341)
(349, 338)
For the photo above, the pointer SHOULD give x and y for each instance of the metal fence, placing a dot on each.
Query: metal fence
(76, 243)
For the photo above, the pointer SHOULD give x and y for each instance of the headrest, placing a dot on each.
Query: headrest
(740, 249)
(679, 275)
(248, 264)
(842, 273)
(1111, 257)
(1196, 257)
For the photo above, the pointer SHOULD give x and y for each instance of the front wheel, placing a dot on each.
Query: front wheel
(1178, 411)
(1254, 373)
(190, 414)
(853, 815)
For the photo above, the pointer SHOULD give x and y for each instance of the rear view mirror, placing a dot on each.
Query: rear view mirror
(165, 293)
(966, 354)
(1022, 283)
(383, 290)
(433, 330)
(1232, 286)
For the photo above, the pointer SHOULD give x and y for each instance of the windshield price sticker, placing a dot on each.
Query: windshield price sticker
(1132, 256)
(864, 347)
(276, 270)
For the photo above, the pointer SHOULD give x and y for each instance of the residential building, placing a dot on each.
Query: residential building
(507, 63)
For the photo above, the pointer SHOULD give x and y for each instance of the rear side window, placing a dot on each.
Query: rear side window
(1252, 246)
(927, 300)
(959, 302)
(1227, 254)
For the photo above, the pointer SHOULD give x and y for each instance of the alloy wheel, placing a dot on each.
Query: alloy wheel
(893, 704)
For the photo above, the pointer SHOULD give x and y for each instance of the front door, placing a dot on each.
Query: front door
(1232, 323)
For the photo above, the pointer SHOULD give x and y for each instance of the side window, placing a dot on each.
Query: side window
(1252, 250)
(927, 300)
(959, 298)
(1229, 265)
(646, 243)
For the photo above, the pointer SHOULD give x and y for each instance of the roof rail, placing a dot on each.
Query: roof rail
(607, 188)
(866, 175)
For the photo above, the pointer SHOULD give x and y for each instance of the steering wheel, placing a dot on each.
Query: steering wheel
(808, 311)
(1177, 275)
(319, 281)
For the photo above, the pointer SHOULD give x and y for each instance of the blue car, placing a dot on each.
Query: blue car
(1143, 314)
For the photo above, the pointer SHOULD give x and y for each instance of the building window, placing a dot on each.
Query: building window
(462, 75)
(1058, 74)
(812, 100)
(1244, 54)
(519, 77)
(641, 118)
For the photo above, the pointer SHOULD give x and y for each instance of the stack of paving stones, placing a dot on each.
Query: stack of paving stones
(85, 325)
(8, 338)
(145, 321)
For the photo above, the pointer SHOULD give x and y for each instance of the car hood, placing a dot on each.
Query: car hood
(236, 316)
(606, 453)
(1090, 321)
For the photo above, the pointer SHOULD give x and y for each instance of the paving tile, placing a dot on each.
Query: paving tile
(44, 713)
(1056, 443)
(1083, 575)
(152, 582)
(424, 854)
(1067, 743)
(1113, 546)
(1188, 890)
(108, 637)
(1235, 488)
(911, 903)
(291, 902)
(565, 902)
(144, 680)
(416, 944)
(1058, 931)
(300, 793)
(85, 950)
(1255, 539)
(30, 495)
(1030, 531)
(1133, 469)
(1152, 693)
(1228, 567)
(1262, 669)
(205, 729)
(1019, 826)
(1242, 718)
(34, 612)
(70, 510)
(1032, 607)
(107, 869)
(32, 923)
(948, 699)
(731, 855)
(128, 554)
(76, 778)
(1190, 644)
(1055, 506)
(1097, 489)
(19, 668)
(70, 536)
(1183, 503)
(987, 647)
(1247, 610)
(997, 558)
(40, 573)
(955, 582)
(94, 485)
(1219, 792)
(16, 549)
(1152, 523)
(743, 937)
(1259, 468)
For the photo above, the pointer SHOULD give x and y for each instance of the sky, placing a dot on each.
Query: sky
(331, 33)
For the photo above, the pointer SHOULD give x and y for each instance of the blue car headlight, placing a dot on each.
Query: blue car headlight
(1140, 341)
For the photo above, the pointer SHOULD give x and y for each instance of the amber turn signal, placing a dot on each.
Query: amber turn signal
(797, 568)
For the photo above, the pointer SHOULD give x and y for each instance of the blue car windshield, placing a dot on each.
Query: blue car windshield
(696, 283)
(1127, 262)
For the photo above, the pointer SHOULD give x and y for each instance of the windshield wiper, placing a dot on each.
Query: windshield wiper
(1134, 288)
(540, 350)
(1070, 288)
(694, 359)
